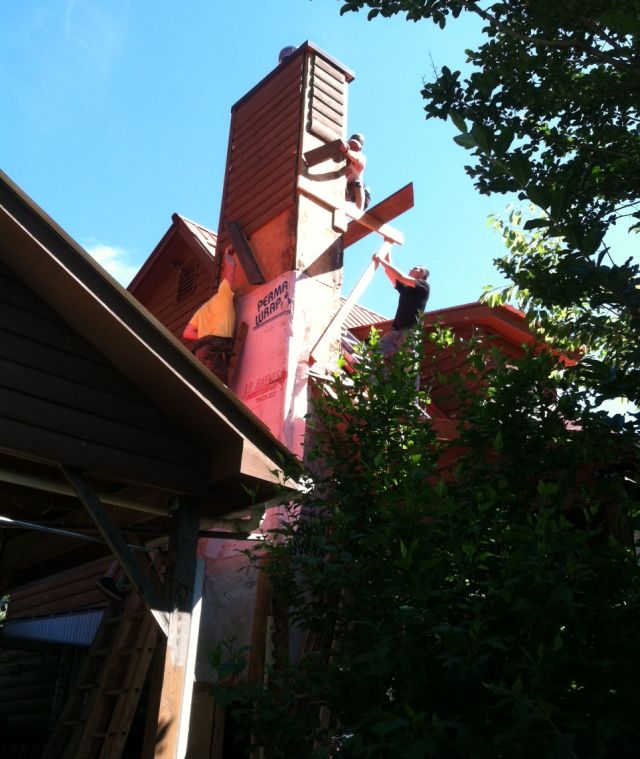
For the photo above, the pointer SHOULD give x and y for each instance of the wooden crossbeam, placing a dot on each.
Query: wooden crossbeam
(117, 544)
(245, 253)
(315, 190)
(376, 218)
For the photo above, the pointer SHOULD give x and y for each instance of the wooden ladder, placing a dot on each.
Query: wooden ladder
(97, 716)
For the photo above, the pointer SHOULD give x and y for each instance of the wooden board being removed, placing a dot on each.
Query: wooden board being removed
(380, 214)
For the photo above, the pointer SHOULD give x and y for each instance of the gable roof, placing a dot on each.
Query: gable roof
(55, 267)
(201, 240)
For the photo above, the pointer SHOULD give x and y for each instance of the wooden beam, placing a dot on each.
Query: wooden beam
(381, 213)
(186, 575)
(314, 189)
(324, 152)
(117, 544)
(245, 253)
(352, 299)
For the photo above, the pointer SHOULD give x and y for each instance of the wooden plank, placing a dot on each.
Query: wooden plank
(13, 290)
(351, 300)
(49, 329)
(90, 427)
(320, 78)
(280, 88)
(117, 544)
(315, 127)
(52, 446)
(321, 127)
(35, 382)
(248, 178)
(30, 352)
(258, 203)
(321, 83)
(265, 207)
(331, 150)
(328, 68)
(380, 214)
(245, 203)
(247, 257)
(327, 118)
(284, 202)
(316, 191)
(259, 148)
(328, 106)
(278, 115)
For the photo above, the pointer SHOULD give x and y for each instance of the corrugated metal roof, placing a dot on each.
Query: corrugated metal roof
(359, 316)
(78, 628)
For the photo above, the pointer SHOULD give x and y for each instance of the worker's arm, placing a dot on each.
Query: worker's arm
(395, 275)
(190, 332)
(356, 157)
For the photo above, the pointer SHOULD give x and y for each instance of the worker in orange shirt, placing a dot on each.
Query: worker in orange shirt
(213, 324)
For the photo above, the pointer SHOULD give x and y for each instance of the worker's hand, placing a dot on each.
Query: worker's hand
(344, 148)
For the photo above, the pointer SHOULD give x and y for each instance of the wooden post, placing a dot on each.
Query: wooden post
(184, 584)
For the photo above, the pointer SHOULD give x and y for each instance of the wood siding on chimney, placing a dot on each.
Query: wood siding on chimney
(327, 100)
(60, 400)
(262, 163)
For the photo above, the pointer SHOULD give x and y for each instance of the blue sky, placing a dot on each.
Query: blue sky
(115, 113)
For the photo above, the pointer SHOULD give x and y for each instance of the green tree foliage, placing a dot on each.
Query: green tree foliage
(550, 112)
(481, 598)
(468, 599)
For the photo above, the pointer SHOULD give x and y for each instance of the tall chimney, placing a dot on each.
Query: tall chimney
(279, 216)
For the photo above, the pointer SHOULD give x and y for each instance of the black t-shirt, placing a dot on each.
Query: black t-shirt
(412, 301)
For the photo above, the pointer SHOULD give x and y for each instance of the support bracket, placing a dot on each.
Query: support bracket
(117, 544)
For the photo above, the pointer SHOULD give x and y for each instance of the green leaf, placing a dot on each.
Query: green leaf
(538, 195)
(520, 169)
(483, 136)
(558, 203)
(537, 223)
(621, 22)
(503, 141)
(591, 241)
(467, 140)
(458, 121)
(546, 489)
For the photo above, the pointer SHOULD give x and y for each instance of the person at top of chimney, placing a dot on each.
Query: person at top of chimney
(354, 170)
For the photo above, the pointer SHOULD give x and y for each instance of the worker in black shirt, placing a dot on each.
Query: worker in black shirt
(414, 294)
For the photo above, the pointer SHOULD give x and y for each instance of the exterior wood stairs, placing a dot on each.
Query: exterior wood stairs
(97, 717)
